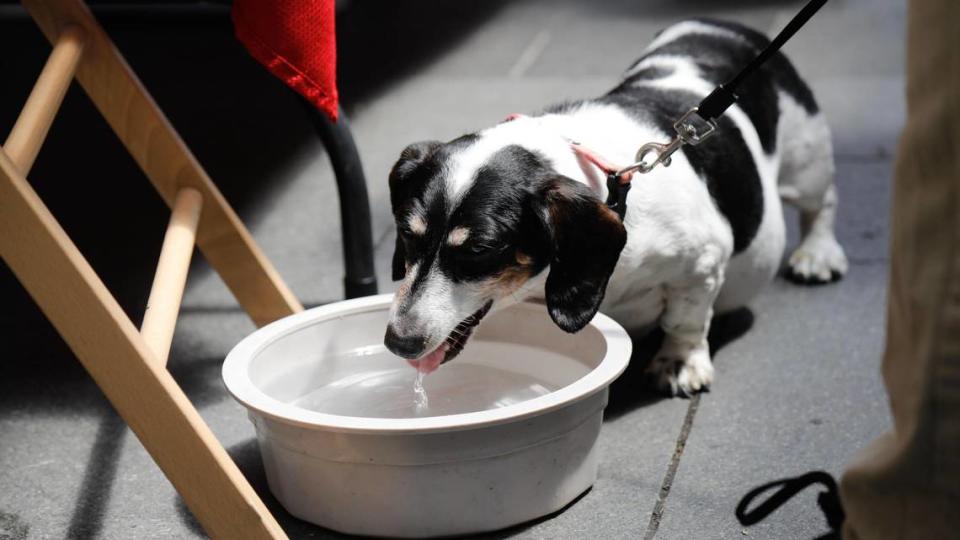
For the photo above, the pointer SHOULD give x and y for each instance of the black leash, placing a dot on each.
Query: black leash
(700, 122)
(725, 95)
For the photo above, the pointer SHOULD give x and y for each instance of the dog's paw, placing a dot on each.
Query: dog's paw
(681, 371)
(819, 259)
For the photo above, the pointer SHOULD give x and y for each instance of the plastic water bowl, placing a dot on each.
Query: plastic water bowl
(508, 435)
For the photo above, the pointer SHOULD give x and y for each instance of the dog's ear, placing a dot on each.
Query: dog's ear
(586, 238)
(410, 158)
(400, 189)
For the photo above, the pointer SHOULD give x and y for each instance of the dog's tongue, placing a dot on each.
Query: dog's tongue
(430, 362)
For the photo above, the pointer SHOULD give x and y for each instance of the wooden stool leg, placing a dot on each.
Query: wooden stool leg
(163, 304)
(128, 366)
(84, 312)
(168, 163)
(37, 115)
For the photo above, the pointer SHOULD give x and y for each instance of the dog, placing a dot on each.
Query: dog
(517, 210)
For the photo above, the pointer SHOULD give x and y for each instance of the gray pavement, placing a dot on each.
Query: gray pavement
(798, 384)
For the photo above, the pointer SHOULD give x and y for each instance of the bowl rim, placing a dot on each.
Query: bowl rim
(236, 368)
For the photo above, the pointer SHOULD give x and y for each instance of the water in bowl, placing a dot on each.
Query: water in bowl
(456, 388)
(421, 400)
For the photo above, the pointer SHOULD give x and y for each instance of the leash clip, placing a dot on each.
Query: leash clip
(661, 154)
(691, 129)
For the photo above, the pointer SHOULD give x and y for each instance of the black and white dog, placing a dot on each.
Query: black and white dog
(516, 210)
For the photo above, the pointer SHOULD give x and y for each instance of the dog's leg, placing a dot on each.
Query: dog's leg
(806, 182)
(683, 365)
(819, 257)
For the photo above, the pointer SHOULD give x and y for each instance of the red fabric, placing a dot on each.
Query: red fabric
(296, 41)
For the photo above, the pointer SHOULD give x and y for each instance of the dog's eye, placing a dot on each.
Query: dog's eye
(483, 249)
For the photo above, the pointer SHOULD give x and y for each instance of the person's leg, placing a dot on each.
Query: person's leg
(907, 483)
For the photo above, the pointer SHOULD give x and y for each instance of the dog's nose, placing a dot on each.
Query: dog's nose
(404, 346)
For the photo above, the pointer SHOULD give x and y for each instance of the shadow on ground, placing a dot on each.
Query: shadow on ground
(247, 457)
(380, 43)
(630, 391)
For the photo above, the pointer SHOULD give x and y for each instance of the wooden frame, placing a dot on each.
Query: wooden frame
(129, 365)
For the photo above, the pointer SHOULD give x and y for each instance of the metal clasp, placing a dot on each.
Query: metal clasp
(661, 154)
(691, 129)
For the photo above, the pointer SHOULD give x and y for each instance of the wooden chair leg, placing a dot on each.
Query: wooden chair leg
(168, 163)
(163, 304)
(28, 134)
(97, 330)
(129, 366)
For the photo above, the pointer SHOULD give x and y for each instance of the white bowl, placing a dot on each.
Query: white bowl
(436, 475)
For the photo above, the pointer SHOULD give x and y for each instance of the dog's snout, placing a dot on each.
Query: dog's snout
(406, 346)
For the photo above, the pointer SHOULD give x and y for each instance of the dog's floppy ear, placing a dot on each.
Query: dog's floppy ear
(586, 238)
(410, 158)
(400, 190)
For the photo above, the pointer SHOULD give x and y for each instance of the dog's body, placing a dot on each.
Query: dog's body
(514, 211)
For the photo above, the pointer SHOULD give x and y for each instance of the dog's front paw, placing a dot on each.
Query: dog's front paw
(681, 370)
(818, 260)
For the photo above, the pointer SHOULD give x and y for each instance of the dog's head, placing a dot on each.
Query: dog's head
(474, 224)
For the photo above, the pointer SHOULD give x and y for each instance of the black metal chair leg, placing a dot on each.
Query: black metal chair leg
(360, 278)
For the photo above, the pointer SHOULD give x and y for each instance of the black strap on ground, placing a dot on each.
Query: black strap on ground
(725, 95)
(829, 500)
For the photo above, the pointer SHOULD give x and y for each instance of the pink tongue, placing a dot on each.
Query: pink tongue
(430, 362)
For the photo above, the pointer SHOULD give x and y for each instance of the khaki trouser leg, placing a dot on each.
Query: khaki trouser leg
(907, 483)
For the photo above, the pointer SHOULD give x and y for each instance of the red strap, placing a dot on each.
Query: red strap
(608, 168)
